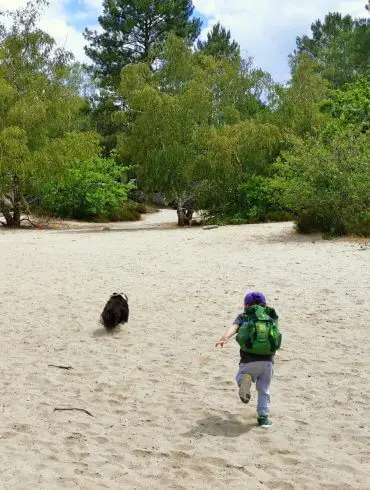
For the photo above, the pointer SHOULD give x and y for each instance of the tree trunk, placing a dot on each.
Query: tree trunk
(12, 205)
(181, 216)
(7, 215)
(185, 210)
(16, 216)
(189, 215)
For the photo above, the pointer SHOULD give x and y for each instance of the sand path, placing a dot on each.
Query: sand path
(165, 408)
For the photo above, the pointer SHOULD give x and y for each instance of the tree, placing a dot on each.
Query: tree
(360, 44)
(350, 106)
(183, 133)
(165, 109)
(298, 110)
(131, 29)
(233, 160)
(219, 44)
(41, 112)
(326, 183)
(339, 45)
(106, 119)
(80, 79)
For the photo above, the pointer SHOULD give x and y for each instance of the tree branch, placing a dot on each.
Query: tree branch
(73, 408)
(60, 367)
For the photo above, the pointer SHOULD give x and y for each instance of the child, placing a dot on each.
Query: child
(259, 339)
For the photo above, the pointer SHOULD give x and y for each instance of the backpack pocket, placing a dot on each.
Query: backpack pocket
(275, 338)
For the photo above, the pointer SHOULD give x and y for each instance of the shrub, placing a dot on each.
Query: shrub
(90, 189)
(127, 211)
(255, 200)
(326, 185)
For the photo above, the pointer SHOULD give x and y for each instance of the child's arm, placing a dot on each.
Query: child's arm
(228, 334)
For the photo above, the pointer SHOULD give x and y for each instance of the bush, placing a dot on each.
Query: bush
(128, 211)
(258, 200)
(91, 189)
(326, 185)
(254, 201)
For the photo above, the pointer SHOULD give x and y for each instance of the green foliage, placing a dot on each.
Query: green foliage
(234, 156)
(339, 45)
(351, 105)
(219, 44)
(188, 122)
(299, 106)
(326, 184)
(15, 154)
(127, 211)
(256, 199)
(41, 111)
(182, 117)
(106, 121)
(131, 29)
(89, 189)
(235, 172)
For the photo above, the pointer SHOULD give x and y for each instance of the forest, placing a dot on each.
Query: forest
(161, 113)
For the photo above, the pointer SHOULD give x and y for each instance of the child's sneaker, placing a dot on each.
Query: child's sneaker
(245, 388)
(264, 421)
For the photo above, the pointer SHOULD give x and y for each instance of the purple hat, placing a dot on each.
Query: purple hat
(255, 298)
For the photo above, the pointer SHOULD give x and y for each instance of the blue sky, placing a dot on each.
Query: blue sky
(265, 29)
(202, 17)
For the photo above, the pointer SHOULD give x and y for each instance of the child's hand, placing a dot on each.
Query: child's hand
(221, 342)
(228, 334)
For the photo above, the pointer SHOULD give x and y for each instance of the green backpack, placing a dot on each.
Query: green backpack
(259, 333)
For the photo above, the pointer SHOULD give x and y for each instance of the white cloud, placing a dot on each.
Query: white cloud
(55, 22)
(11, 4)
(94, 4)
(267, 29)
(58, 24)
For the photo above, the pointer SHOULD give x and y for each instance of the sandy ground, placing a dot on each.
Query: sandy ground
(164, 218)
(164, 405)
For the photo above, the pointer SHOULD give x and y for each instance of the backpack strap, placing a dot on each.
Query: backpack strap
(250, 328)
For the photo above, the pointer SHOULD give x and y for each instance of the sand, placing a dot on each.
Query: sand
(164, 405)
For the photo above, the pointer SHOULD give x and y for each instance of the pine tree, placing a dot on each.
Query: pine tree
(340, 45)
(219, 44)
(131, 28)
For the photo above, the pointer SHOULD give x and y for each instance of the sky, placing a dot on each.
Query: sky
(265, 29)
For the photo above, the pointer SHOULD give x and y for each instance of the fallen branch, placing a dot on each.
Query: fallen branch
(209, 227)
(60, 367)
(73, 408)
(28, 219)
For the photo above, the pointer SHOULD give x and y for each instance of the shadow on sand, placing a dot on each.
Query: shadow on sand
(215, 425)
(102, 332)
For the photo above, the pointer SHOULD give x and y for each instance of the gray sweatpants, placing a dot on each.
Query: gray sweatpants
(261, 372)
